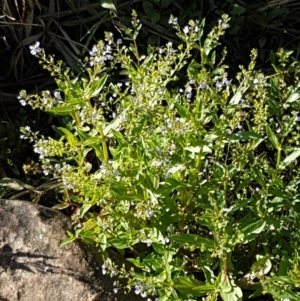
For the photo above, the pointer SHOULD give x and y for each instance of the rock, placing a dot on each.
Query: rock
(34, 268)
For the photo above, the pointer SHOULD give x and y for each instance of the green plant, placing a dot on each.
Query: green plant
(198, 185)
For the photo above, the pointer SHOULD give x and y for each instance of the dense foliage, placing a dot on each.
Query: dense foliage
(191, 175)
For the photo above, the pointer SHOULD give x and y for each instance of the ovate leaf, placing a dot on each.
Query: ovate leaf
(97, 87)
(293, 97)
(108, 4)
(61, 206)
(192, 286)
(231, 293)
(68, 241)
(183, 111)
(290, 158)
(272, 137)
(193, 240)
(251, 231)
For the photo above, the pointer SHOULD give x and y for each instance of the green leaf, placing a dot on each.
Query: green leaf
(193, 240)
(283, 266)
(85, 208)
(150, 11)
(238, 205)
(97, 87)
(115, 124)
(70, 137)
(159, 248)
(236, 98)
(108, 4)
(197, 149)
(272, 137)
(183, 111)
(136, 262)
(251, 231)
(15, 184)
(246, 136)
(231, 293)
(192, 286)
(262, 265)
(92, 141)
(293, 97)
(63, 110)
(120, 243)
(68, 241)
(193, 69)
(237, 9)
(290, 158)
(61, 206)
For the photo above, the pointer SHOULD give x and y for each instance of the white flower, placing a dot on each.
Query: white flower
(203, 85)
(173, 21)
(143, 295)
(94, 50)
(119, 41)
(57, 95)
(35, 48)
(22, 102)
(186, 29)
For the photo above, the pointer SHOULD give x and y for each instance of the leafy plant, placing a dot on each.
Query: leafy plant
(197, 186)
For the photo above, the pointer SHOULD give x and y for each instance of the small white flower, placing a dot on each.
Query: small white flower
(149, 213)
(57, 95)
(115, 290)
(35, 48)
(94, 115)
(143, 295)
(203, 85)
(173, 21)
(70, 186)
(137, 289)
(219, 84)
(119, 41)
(255, 81)
(22, 102)
(186, 29)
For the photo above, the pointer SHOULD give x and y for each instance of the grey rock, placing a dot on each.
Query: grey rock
(34, 268)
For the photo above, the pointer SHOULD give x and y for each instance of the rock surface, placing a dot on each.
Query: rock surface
(34, 268)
